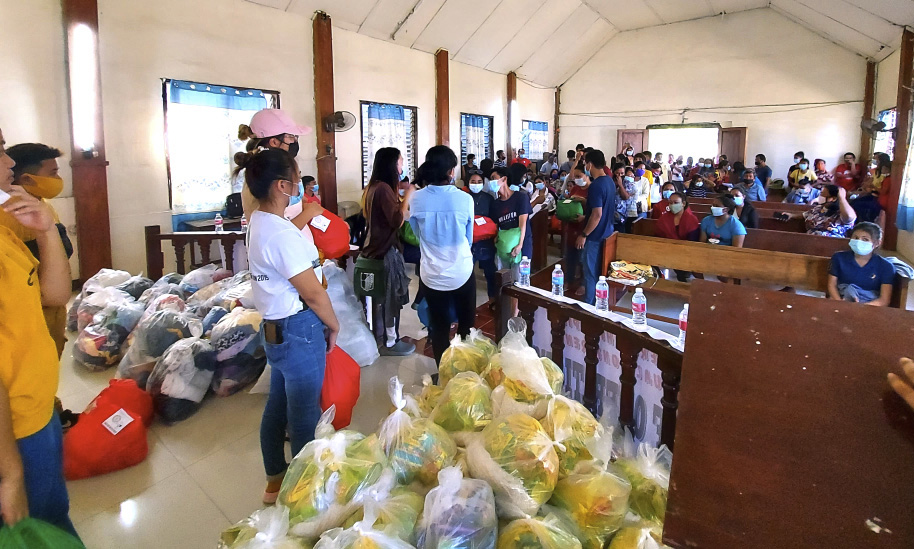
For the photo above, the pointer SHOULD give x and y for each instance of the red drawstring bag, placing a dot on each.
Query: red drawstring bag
(331, 235)
(341, 386)
(483, 228)
(110, 434)
(555, 225)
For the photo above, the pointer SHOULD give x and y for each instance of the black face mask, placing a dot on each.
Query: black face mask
(293, 149)
(757, 163)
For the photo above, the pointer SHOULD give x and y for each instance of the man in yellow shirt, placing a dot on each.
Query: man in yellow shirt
(31, 441)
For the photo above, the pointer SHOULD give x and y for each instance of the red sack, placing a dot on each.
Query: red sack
(91, 448)
(341, 386)
(331, 235)
(484, 231)
(126, 394)
(555, 225)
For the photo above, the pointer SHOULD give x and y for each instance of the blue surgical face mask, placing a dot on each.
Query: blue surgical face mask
(804, 167)
(475, 187)
(586, 172)
(676, 208)
(738, 200)
(514, 188)
(861, 247)
(295, 199)
(667, 194)
(717, 211)
(315, 188)
(540, 186)
(494, 186)
(402, 192)
(629, 179)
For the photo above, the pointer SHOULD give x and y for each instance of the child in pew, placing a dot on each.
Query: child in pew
(859, 274)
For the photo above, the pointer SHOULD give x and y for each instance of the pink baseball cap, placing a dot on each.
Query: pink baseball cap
(270, 122)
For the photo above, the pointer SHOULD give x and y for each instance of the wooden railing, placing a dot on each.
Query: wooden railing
(180, 242)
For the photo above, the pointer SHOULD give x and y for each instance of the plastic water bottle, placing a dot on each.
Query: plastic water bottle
(558, 281)
(524, 271)
(244, 223)
(683, 323)
(602, 294)
(639, 307)
(218, 223)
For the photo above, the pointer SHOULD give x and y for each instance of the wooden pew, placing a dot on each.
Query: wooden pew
(766, 222)
(776, 206)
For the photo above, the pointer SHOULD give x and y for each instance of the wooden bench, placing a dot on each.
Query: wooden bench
(759, 205)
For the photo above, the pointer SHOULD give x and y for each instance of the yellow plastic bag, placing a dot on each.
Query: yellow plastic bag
(482, 342)
(461, 356)
(466, 404)
(536, 533)
(397, 508)
(637, 537)
(267, 528)
(570, 423)
(648, 470)
(364, 534)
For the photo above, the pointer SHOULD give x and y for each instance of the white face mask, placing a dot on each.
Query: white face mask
(475, 187)
(580, 182)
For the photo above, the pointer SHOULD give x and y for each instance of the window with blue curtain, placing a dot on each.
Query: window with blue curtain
(202, 138)
(885, 140)
(388, 125)
(534, 138)
(475, 137)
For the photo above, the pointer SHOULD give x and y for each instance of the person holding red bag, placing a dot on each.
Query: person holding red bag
(299, 325)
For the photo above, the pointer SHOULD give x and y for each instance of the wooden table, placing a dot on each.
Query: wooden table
(228, 223)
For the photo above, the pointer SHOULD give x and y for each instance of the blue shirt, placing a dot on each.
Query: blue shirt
(796, 197)
(442, 218)
(725, 233)
(754, 192)
(762, 173)
(870, 277)
(506, 214)
(601, 194)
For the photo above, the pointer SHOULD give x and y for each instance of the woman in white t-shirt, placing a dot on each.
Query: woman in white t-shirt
(299, 326)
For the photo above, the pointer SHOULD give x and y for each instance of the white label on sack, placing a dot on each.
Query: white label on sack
(320, 223)
(480, 221)
(118, 420)
(566, 201)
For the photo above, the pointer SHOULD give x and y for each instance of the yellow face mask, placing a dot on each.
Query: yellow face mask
(42, 187)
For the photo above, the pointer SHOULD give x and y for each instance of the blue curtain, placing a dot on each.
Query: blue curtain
(383, 111)
(207, 95)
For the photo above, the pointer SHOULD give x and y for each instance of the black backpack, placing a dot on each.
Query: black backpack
(233, 207)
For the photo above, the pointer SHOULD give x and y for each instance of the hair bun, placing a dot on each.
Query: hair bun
(243, 159)
(245, 132)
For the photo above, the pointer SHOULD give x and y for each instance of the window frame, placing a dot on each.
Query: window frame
(888, 130)
(273, 102)
(526, 122)
(366, 169)
(490, 153)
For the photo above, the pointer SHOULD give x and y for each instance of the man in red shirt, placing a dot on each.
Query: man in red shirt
(522, 158)
(847, 175)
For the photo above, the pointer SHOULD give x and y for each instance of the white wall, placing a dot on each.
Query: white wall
(535, 103)
(478, 91)
(743, 59)
(887, 81)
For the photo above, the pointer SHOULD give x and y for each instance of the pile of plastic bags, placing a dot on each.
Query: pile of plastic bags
(493, 457)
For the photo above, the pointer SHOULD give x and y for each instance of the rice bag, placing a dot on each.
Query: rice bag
(536, 533)
(105, 278)
(397, 508)
(516, 456)
(73, 313)
(418, 448)
(135, 286)
(94, 303)
(465, 406)
(364, 534)
(570, 423)
(357, 340)
(648, 470)
(461, 356)
(150, 339)
(326, 481)
(181, 378)
(212, 318)
(594, 495)
(482, 342)
(459, 514)
(265, 529)
(100, 344)
(240, 355)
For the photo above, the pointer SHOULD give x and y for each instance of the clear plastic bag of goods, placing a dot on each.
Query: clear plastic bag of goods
(536, 533)
(100, 344)
(516, 456)
(92, 304)
(638, 536)
(522, 384)
(206, 293)
(104, 278)
(203, 276)
(648, 470)
(73, 314)
(212, 318)
(267, 528)
(428, 396)
(240, 355)
(181, 378)
(465, 406)
(397, 507)
(418, 448)
(157, 290)
(594, 496)
(364, 534)
(150, 339)
(165, 302)
(326, 481)
(570, 423)
(135, 286)
(459, 513)
(482, 342)
(357, 340)
(461, 356)
(516, 336)
(554, 374)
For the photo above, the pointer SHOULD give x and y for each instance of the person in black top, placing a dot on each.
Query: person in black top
(745, 212)
(484, 250)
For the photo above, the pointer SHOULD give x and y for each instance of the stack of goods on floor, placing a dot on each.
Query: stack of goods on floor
(494, 457)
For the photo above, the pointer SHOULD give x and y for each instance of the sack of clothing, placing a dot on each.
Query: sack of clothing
(92, 304)
(152, 337)
(100, 343)
(157, 291)
(203, 276)
(341, 386)
(483, 228)
(212, 318)
(73, 313)
(331, 235)
(105, 278)
(181, 378)
(357, 340)
(165, 302)
(240, 355)
(135, 286)
(110, 434)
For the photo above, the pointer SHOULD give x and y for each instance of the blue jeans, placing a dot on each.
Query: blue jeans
(42, 463)
(294, 404)
(590, 257)
(854, 293)
(484, 254)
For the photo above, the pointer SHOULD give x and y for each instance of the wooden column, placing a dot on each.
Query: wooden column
(555, 123)
(902, 135)
(323, 107)
(512, 104)
(442, 99)
(89, 167)
(869, 103)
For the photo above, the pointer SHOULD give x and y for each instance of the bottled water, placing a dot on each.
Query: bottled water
(639, 307)
(602, 294)
(244, 223)
(558, 281)
(524, 271)
(218, 223)
(683, 323)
